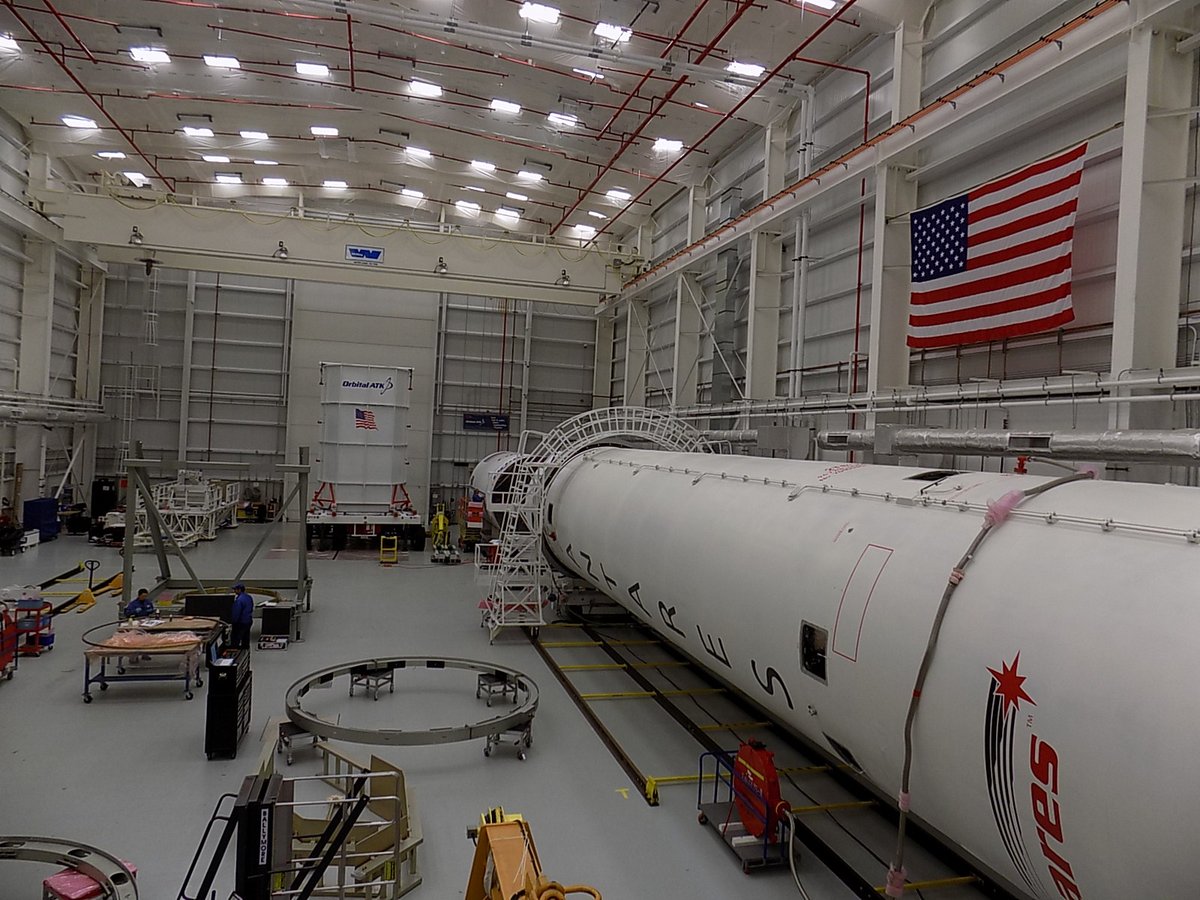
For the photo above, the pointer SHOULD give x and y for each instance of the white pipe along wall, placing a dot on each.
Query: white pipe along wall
(1055, 732)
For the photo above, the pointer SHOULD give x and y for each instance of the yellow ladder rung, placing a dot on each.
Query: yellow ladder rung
(729, 726)
(833, 807)
(642, 695)
(599, 643)
(606, 667)
(935, 883)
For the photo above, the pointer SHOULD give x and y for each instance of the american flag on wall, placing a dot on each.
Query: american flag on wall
(995, 262)
(364, 418)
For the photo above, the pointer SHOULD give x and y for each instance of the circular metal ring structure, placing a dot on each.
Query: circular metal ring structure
(110, 873)
(515, 718)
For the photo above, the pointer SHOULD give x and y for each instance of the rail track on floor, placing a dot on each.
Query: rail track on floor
(612, 659)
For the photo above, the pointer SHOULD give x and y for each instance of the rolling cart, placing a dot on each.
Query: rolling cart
(35, 624)
(8, 641)
(742, 806)
(520, 737)
(372, 680)
(490, 684)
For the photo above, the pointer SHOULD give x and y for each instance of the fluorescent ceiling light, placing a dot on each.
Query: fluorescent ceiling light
(666, 145)
(228, 177)
(562, 120)
(275, 182)
(823, 4)
(700, 105)
(418, 152)
(585, 230)
(215, 159)
(324, 131)
(78, 122)
(483, 165)
(505, 106)
(750, 70)
(265, 162)
(149, 55)
(588, 73)
(222, 62)
(610, 32)
(471, 187)
(110, 154)
(318, 70)
(334, 184)
(412, 194)
(197, 131)
(596, 215)
(539, 12)
(512, 195)
(137, 178)
(618, 195)
(8, 42)
(255, 135)
(467, 206)
(505, 213)
(526, 175)
(424, 89)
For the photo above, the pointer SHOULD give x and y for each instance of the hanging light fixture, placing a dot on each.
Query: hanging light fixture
(281, 252)
(135, 237)
(564, 279)
(440, 268)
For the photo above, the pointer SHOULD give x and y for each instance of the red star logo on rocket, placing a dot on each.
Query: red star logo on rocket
(1009, 685)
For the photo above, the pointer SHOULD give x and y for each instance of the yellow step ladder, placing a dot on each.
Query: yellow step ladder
(389, 550)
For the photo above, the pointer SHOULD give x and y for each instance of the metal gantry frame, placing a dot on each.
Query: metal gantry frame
(140, 491)
(521, 579)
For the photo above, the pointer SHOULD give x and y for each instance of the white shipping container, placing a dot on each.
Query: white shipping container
(363, 464)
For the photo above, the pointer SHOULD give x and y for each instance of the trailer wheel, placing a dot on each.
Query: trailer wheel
(702, 819)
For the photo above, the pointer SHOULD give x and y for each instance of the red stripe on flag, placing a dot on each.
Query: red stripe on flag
(1009, 279)
(975, 239)
(1041, 192)
(966, 314)
(983, 335)
(1046, 242)
(1038, 168)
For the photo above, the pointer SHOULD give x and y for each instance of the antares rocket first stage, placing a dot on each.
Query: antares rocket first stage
(1057, 729)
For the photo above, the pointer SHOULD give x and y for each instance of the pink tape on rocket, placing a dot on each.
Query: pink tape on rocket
(895, 882)
(998, 510)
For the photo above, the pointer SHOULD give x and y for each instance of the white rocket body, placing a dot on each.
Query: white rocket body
(492, 477)
(1058, 728)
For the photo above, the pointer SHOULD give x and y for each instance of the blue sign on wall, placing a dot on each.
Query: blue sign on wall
(484, 422)
(364, 254)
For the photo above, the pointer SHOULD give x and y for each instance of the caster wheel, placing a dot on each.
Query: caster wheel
(489, 702)
(376, 696)
(745, 868)
(104, 687)
(487, 751)
(87, 698)
(8, 676)
(702, 819)
(187, 696)
(120, 670)
(199, 682)
(521, 756)
(208, 755)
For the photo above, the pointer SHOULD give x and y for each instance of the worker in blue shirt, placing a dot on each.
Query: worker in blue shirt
(243, 617)
(140, 606)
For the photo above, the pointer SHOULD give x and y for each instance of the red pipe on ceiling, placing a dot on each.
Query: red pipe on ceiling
(71, 31)
(98, 104)
(786, 60)
(743, 7)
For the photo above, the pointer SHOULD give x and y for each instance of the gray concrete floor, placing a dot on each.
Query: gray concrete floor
(127, 773)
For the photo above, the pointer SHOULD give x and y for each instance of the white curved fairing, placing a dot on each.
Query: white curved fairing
(1057, 730)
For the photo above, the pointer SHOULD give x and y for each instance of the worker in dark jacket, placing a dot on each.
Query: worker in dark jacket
(243, 617)
(140, 606)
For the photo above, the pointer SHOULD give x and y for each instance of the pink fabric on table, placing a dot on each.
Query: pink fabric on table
(71, 885)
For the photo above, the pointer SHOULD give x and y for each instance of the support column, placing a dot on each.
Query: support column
(762, 335)
(1150, 226)
(685, 367)
(637, 354)
(603, 361)
(185, 384)
(87, 372)
(37, 316)
(891, 258)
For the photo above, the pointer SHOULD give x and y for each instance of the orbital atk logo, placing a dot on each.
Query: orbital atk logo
(1019, 782)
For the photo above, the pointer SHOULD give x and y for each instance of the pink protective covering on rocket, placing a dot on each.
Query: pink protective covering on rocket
(895, 882)
(998, 510)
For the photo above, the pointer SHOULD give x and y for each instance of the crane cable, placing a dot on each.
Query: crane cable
(997, 512)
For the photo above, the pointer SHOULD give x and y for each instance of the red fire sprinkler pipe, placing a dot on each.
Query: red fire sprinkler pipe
(689, 150)
(743, 8)
(71, 31)
(12, 7)
(671, 46)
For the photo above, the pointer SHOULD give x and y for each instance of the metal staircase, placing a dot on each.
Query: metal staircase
(521, 580)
